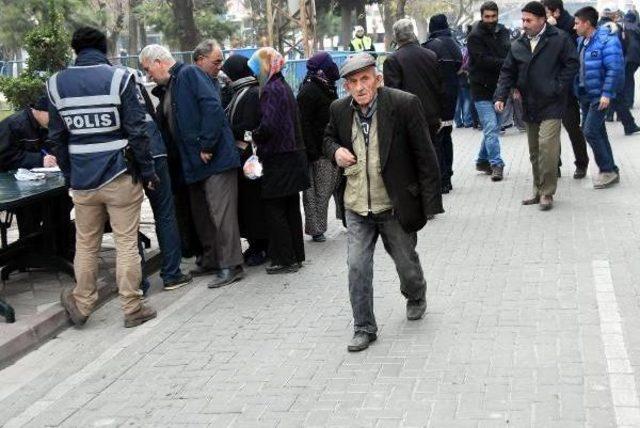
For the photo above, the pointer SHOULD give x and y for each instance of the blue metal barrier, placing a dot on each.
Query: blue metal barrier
(294, 71)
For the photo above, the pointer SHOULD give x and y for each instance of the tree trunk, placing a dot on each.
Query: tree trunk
(361, 15)
(143, 35)
(388, 15)
(114, 35)
(345, 11)
(188, 34)
(134, 25)
(400, 9)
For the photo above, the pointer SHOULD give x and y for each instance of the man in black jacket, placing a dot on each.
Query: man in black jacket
(541, 64)
(632, 56)
(391, 184)
(449, 56)
(563, 20)
(23, 144)
(22, 139)
(488, 44)
(415, 69)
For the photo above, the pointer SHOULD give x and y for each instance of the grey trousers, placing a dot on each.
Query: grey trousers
(214, 207)
(362, 234)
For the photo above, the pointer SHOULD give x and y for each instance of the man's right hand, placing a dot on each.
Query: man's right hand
(344, 158)
(499, 106)
(49, 161)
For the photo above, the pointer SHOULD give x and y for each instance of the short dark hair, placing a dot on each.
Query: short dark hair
(588, 13)
(553, 5)
(488, 5)
(88, 38)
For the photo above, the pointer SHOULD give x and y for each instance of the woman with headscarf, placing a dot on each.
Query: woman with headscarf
(317, 92)
(284, 161)
(243, 112)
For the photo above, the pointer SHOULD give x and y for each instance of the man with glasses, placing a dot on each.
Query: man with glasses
(208, 56)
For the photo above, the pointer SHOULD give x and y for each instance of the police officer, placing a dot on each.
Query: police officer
(361, 42)
(97, 125)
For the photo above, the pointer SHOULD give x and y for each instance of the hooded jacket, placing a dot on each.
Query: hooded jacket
(603, 68)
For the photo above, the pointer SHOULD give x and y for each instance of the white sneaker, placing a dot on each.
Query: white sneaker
(606, 179)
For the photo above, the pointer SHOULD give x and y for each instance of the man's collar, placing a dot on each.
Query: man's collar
(537, 36)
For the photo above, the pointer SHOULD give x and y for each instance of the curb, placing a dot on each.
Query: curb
(52, 321)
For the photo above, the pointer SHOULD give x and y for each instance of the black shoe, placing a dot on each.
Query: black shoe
(580, 173)
(177, 283)
(416, 309)
(200, 271)
(497, 173)
(275, 269)
(227, 276)
(256, 258)
(361, 341)
(319, 238)
(632, 131)
(483, 166)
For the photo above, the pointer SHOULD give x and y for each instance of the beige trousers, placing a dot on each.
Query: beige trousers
(544, 153)
(120, 201)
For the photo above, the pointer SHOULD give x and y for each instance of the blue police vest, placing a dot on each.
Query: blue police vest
(157, 147)
(88, 101)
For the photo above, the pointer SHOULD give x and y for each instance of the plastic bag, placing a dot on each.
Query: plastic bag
(252, 168)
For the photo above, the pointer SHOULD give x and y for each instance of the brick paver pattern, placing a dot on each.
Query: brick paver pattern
(531, 321)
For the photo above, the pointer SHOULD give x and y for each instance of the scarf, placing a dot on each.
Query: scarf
(265, 63)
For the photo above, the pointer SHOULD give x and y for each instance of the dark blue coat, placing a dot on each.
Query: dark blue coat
(201, 124)
(21, 139)
(603, 63)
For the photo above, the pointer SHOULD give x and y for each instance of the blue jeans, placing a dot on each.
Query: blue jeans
(362, 235)
(595, 132)
(490, 148)
(164, 214)
(464, 117)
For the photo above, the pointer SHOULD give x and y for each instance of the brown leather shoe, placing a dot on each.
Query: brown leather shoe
(142, 315)
(532, 201)
(546, 203)
(69, 303)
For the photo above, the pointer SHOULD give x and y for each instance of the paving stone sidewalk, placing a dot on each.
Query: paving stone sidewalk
(532, 321)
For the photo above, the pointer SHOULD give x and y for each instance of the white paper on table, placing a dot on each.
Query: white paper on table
(46, 169)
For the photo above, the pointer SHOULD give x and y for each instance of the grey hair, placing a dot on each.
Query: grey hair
(403, 32)
(155, 53)
(205, 48)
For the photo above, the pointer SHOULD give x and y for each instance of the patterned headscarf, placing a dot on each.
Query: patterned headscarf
(265, 63)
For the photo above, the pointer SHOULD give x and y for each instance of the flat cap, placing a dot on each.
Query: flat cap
(357, 62)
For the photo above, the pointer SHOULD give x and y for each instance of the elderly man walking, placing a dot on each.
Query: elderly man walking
(209, 160)
(390, 185)
(541, 64)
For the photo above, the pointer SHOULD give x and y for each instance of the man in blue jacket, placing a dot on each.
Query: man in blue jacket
(208, 156)
(600, 76)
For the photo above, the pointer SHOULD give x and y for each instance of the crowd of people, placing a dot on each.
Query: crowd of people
(219, 164)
